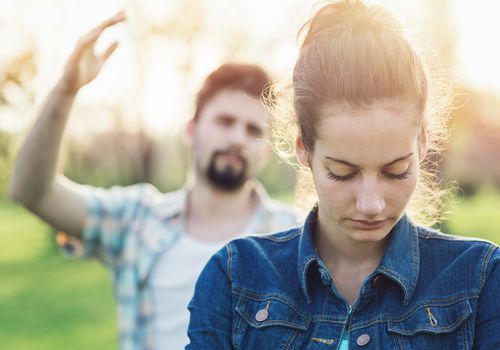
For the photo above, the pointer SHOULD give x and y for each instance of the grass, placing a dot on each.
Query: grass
(23, 236)
(47, 301)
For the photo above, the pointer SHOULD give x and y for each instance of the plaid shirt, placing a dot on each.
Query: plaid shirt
(128, 228)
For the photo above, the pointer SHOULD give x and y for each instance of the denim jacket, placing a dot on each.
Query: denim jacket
(430, 291)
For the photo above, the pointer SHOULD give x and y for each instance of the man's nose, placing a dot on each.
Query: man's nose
(238, 135)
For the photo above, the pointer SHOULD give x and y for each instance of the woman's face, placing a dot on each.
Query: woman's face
(365, 166)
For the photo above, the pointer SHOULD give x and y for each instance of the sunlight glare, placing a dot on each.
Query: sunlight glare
(478, 49)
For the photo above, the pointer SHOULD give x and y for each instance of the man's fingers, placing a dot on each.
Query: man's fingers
(118, 17)
(91, 37)
(111, 48)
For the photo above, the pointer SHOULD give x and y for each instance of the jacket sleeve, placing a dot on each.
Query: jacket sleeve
(211, 307)
(487, 335)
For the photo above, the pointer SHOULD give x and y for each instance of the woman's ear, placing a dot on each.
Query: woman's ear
(301, 151)
(422, 143)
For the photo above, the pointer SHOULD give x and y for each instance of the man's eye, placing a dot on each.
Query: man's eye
(225, 121)
(254, 131)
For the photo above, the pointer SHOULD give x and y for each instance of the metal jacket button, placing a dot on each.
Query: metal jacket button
(261, 315)
(363, 339)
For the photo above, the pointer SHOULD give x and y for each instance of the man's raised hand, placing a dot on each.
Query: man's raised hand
(84, 65)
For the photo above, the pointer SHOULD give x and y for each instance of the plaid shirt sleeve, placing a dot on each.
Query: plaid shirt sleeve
(110, 217)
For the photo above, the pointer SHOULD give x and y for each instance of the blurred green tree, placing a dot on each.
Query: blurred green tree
(16, 74)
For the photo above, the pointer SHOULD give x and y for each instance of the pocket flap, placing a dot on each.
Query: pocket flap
(278, 313)
(433, 319)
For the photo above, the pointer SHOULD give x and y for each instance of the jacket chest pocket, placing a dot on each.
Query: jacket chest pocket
(267, 324)
(435, 326)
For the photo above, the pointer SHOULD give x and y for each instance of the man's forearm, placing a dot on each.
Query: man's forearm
(36, 165)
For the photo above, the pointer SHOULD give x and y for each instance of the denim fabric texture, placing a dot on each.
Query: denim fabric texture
(430, 291)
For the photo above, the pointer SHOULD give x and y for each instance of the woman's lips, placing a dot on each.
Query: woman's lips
(368, 224)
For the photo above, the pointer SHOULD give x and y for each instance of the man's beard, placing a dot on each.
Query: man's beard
(228, 178)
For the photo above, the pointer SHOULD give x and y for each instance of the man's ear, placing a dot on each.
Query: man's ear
(301, 151)
(422, 143)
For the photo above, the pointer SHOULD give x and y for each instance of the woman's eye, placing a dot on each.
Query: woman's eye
(334, 177)
(401, 176)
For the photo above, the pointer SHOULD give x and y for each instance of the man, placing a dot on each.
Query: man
(156, 244)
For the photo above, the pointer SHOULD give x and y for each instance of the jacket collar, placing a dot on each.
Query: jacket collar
(401, 260)
(400, 263)
(307, 252)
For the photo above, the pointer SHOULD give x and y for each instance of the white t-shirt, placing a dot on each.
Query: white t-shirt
(172, 283)
(172, 286)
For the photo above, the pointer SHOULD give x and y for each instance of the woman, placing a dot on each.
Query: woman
(359, 273)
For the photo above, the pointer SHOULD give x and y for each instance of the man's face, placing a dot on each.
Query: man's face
(230, 139)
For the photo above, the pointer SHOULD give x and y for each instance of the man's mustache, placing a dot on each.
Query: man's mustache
(230, 153)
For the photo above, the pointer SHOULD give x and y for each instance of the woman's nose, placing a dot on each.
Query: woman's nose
(370, 201)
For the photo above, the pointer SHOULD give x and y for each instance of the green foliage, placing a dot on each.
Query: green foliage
(108, 159)
(278, 178)
(5, 161)
(476, 216)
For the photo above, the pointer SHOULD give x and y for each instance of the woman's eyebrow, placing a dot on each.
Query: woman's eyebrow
(355, 166)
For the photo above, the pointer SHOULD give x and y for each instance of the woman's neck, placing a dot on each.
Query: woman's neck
(348, 261)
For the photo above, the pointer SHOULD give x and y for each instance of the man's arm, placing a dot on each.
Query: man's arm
(36, 180)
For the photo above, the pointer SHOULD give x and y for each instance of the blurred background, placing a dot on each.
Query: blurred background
(128, 125)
